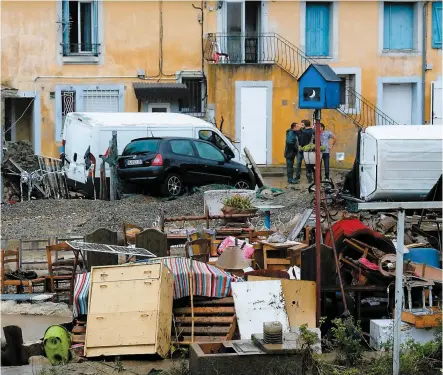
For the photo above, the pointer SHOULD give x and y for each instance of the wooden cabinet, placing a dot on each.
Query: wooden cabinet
(130, 310)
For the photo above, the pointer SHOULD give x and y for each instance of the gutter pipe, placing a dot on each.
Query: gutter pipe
(423, 61)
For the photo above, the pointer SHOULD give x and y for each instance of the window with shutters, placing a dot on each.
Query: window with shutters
(86, 98)
(101, 100)
(436, 24)
(398, 28)
(318, 29)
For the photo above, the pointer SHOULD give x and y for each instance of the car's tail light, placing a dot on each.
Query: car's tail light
(158, 161)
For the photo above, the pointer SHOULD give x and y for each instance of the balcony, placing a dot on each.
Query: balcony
(271, 48)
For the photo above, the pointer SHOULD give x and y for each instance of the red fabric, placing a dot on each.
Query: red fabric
(369, 265)
(354, 228)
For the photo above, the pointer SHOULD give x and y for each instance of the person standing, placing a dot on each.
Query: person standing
(325, 137)
(305, 137)
(291, 149)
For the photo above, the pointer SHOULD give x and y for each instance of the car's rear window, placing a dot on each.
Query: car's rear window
(142, 146)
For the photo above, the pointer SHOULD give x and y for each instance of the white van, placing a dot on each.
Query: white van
(86, 136)
(399, 162)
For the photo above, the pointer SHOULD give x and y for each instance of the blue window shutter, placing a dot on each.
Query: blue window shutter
(398, 26)
(66, 26)
(95, 25)
(317, 29)
(436, 24)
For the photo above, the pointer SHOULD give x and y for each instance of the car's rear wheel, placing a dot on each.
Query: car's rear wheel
(172, 186)
(243, 185)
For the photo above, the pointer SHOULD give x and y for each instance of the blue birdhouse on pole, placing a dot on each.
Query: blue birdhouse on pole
(319, 88)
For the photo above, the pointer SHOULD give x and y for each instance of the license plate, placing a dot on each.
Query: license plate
(134, 162)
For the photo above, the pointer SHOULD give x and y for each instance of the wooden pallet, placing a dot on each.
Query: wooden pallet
(79, 333)
(214, 321)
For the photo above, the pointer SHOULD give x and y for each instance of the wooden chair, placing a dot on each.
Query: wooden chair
(62, 271)
(200, 249)
(12, 256)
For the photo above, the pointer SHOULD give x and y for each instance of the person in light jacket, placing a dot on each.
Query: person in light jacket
(291, 150)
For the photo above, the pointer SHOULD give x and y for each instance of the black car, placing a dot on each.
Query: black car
(172, 163)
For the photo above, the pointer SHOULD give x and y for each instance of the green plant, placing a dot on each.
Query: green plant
(238, 202)
(346, 340)
(118, 364)
(311, 148)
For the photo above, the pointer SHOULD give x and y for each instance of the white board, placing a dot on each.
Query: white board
(253, 119)
(257, 302)
(397, 102)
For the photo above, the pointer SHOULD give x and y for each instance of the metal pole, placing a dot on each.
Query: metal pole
(317, 115)
(398, 289)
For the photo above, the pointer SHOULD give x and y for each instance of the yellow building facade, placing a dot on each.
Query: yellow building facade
(234, 63)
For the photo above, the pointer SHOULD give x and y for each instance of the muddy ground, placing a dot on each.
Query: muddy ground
(74, 217)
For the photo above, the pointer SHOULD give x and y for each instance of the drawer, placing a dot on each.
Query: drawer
(122, 273)
(121, 329)
(124, 296)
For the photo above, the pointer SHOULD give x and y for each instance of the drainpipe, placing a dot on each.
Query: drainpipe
(423, 61)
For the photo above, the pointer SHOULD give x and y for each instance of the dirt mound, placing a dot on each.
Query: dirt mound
(22, 153)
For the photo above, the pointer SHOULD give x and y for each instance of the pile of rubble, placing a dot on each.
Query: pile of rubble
(17, 155)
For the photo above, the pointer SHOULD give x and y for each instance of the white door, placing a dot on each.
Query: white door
(397, 102)
(436, 103)
(368, 165)
(253, 119)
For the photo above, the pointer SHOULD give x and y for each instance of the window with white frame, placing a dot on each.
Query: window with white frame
(80, 27)
(196, 99)
(101, 100)
(347, 91)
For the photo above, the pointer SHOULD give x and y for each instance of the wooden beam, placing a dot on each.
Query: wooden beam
(205, 319)
(205, 310)
(260, 180)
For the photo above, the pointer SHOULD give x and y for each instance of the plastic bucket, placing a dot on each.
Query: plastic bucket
(424, 255)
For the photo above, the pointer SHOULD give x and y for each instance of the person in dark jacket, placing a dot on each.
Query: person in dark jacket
(291, 149)
(305, 137)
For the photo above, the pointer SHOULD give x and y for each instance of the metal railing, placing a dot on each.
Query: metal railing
(80, 49)
(271, 48)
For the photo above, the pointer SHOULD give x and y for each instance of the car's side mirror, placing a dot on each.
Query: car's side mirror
(228, 157)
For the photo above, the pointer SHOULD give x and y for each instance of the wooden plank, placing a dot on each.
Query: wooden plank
(187, 339)
(207, 330)
(78, 339)
(277, 261)
(56, 165)
(232, 329)
(300, 302)
(422, 321)
(205, 310)
(255, 170)
(164, 321)
(79, 329)
(215, 302)
(204, 319)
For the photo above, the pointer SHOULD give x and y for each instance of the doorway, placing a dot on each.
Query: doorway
(242, 24)
(19, 119)
(253, 118)
(159, 107)
(397, 102)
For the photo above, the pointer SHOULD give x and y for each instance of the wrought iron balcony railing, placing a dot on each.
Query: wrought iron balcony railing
(271, 48)
(80, 49)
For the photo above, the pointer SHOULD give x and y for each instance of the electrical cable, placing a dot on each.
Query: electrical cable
(15, 123)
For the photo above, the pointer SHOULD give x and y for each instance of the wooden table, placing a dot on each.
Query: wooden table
(275, 255)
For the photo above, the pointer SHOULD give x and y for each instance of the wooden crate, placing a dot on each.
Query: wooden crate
(129, 310)
(214, 321)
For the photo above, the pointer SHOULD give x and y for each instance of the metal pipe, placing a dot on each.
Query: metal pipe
(423, 61)
(211, 217)
(317, 115)
(398, 289)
